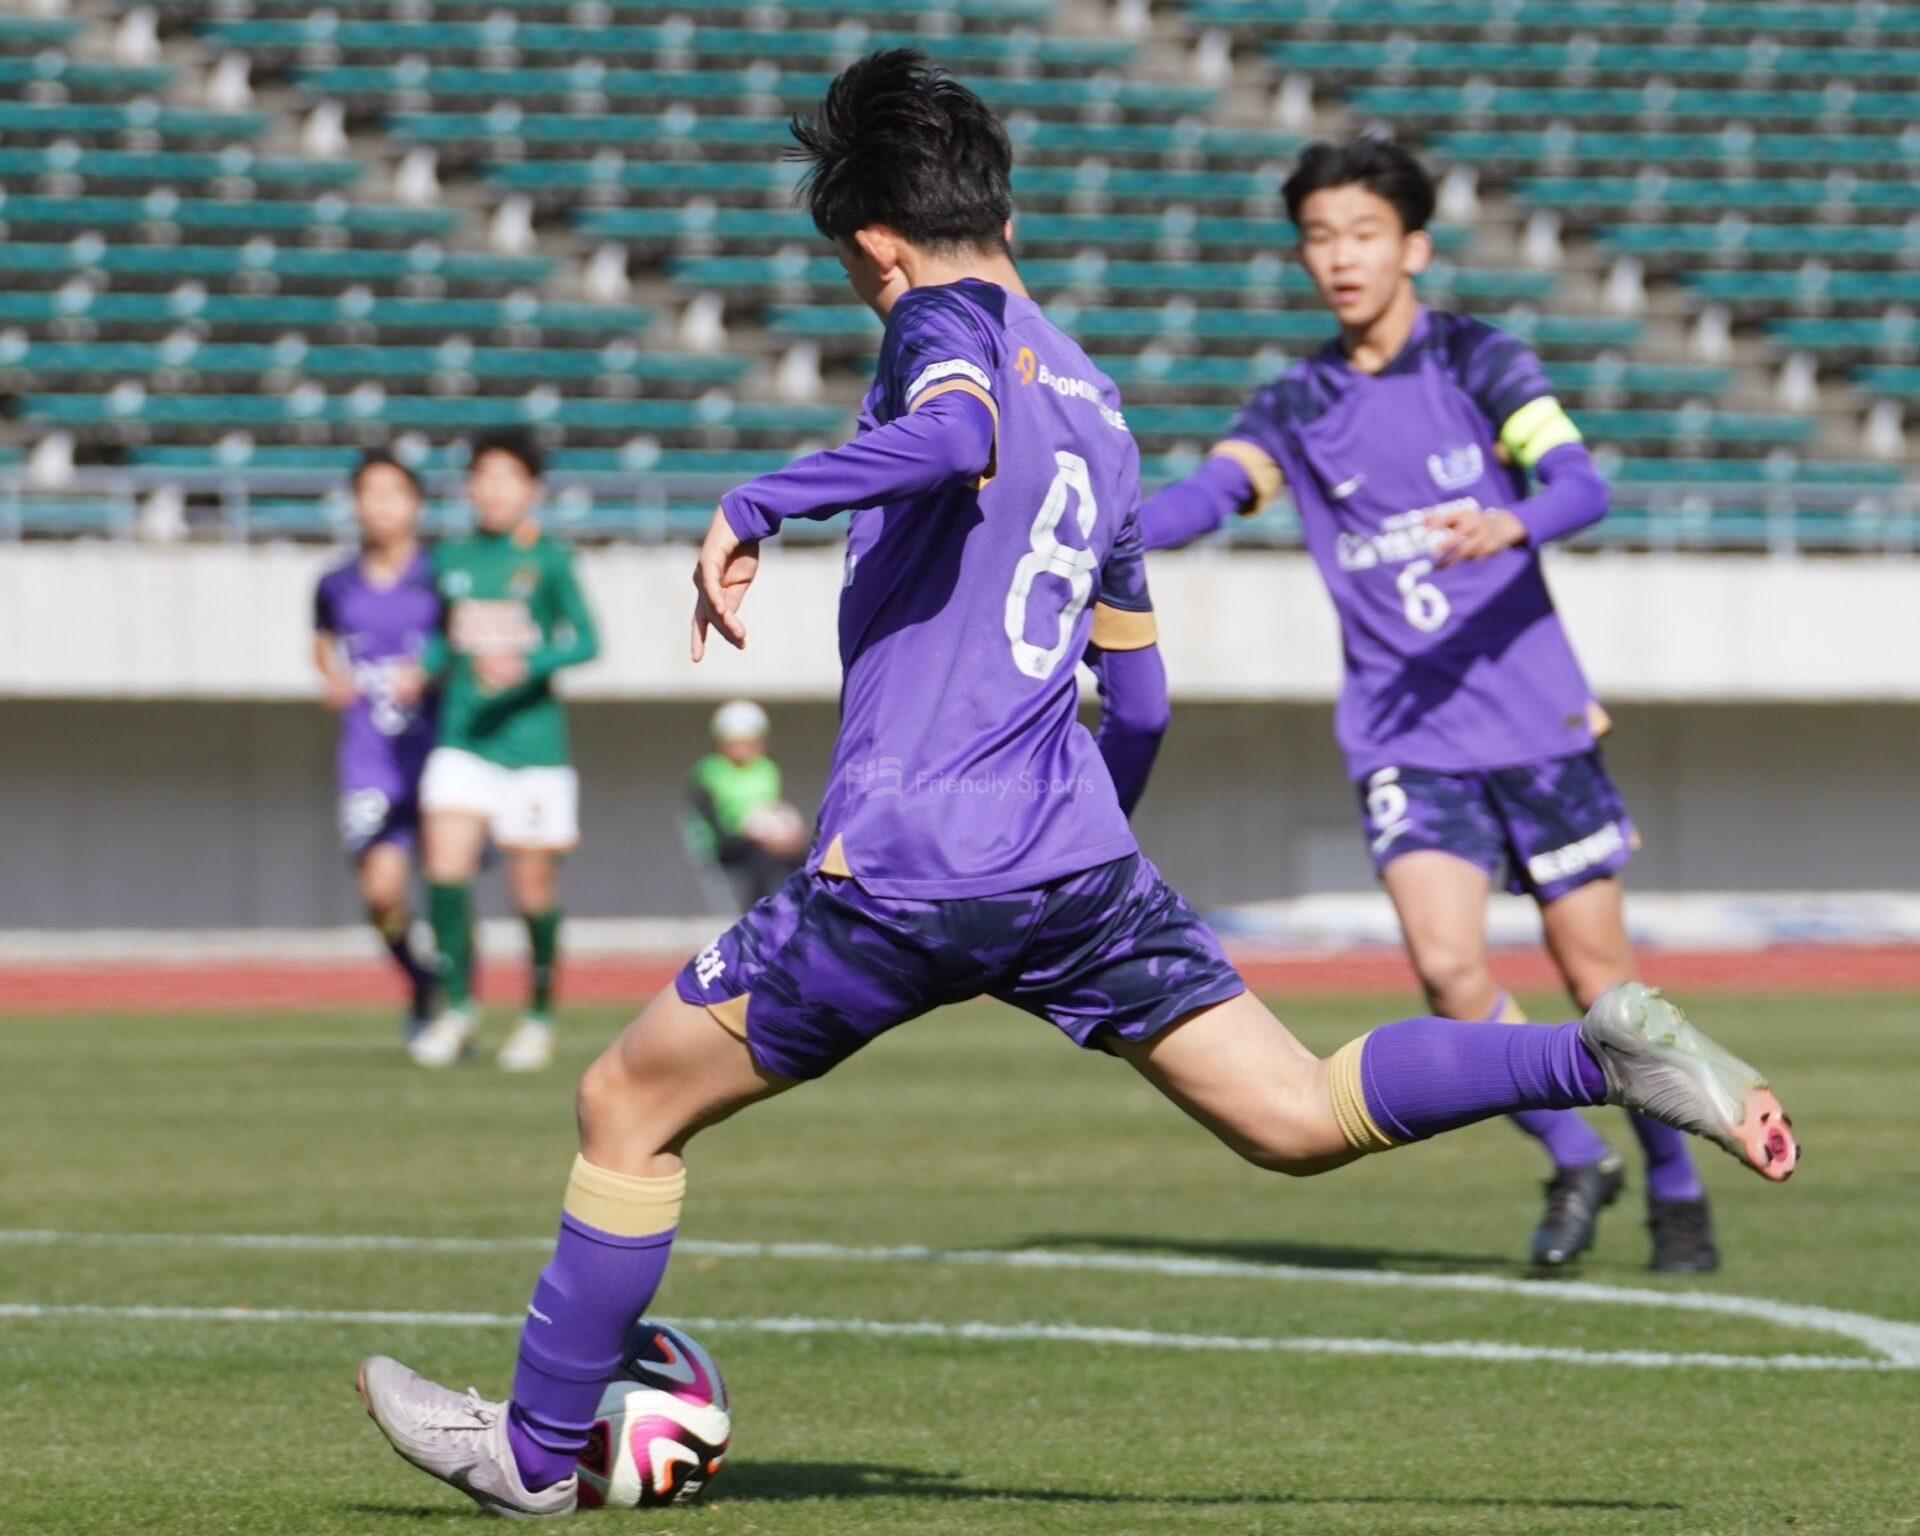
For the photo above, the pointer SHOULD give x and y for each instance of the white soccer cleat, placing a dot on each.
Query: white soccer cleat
(1658, 1064)
(458, 1437)
(444, 1041)
(528, 1049)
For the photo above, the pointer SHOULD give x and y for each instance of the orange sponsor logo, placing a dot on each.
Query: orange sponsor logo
(1026, 365)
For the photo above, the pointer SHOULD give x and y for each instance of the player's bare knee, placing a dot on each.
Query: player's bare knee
(1456, 980)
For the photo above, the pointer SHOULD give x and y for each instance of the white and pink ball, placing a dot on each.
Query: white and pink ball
(663, 1428)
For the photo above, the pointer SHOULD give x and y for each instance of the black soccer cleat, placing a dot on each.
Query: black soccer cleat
(1575, 1199)
(1682, 1237)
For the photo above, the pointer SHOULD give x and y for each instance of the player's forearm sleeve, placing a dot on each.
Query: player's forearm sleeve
(1134, 716)
(1572, 495)
(581, 642)
(1197, 505)
(950, 438)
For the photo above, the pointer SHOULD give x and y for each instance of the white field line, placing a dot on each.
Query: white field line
(1897, 1343)
(1003, 1333)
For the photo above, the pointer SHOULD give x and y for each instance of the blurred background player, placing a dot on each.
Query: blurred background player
(373, 618)
(1467, 724)
(739, 821)
(501, 769)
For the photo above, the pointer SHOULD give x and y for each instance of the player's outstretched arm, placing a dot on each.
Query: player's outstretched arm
(1134, 716)
(576, 638)
(1238, 479)
(949, 438)
(1572, 496)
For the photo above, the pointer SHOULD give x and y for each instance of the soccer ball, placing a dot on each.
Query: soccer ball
(663, 1426)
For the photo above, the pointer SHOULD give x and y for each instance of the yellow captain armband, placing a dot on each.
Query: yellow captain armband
(1262, 472)
(1123, 629)
(1535, 430)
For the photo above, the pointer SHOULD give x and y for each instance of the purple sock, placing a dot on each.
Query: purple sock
(587, 1298)
(1569, 1140)
(1671, 1174)
(1425, 1076)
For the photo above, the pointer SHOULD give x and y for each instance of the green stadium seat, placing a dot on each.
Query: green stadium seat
(77, 78)
(286, 265)
(324, 31)
(1447, 107)
(1738, 241)
(205, 366)
(347, 313)
(1529, 149)
(105, 166)
(312, 406)
(22, 121)
(1653, 18)
(206, 216)
(1693, 197)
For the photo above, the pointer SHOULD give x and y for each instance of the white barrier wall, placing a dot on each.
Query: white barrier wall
(124, 621)
(163, 764)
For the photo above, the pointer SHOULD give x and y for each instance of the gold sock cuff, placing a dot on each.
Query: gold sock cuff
(1350, 1101)
(621, 1204)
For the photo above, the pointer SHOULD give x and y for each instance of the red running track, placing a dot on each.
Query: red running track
(261, 986)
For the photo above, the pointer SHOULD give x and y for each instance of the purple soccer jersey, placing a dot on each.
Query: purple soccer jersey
(1458, 668)
(961, 769)
(383, 744)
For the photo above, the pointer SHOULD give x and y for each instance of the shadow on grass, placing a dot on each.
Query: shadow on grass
(793, 1482)
(773, 1482)
(1306, 1255)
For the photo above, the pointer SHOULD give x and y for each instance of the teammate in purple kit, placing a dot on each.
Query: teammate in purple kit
(1468, 728)
(974, 840)
(372, 618)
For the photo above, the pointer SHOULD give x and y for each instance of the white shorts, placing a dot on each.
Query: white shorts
(529, 808)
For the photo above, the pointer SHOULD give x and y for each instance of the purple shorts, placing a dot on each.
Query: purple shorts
(1554, 825)
(370, 815)
(825, 966)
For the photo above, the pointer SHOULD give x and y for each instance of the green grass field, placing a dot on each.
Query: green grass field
(976, 1130)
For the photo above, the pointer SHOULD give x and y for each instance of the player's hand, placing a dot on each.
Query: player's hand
(1468, 533)
(408, 685)
(726, 568)
(495, 670)
(339, 692)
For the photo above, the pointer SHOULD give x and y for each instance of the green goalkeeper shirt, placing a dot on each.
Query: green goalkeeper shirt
(508, 594)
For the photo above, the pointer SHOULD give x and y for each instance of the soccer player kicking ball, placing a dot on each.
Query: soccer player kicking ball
(973, 839)
(1468, 728)
(373, 617)
(501, 770)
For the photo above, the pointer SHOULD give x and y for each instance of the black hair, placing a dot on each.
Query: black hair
(374, 458)
(1383, 167)
(515, 441)
(898, 141)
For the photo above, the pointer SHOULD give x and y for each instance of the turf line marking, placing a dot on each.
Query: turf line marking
(1008, 1333)
(1896, 1342)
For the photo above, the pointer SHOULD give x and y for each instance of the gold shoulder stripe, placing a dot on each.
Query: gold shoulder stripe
(1262, 471)
(1535, 430)
(966, 387)
(1122, 629)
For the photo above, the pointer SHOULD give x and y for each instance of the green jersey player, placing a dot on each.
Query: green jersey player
(501, 769)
